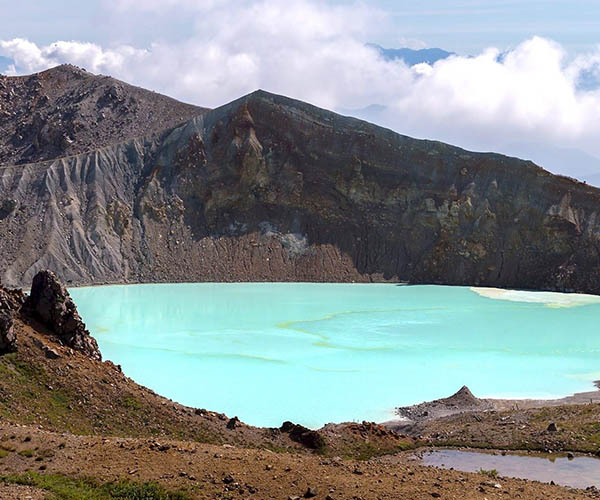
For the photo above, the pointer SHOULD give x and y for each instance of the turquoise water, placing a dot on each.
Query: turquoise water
(318, 353)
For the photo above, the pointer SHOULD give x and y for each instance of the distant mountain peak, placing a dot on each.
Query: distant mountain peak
(412, 56)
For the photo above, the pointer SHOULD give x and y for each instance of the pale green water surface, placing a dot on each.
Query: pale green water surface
(317, 353)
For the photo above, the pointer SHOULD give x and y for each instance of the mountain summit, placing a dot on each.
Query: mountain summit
(66, 110)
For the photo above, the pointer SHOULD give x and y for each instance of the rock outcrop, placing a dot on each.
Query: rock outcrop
(303, 435)
(49, 302)
(460, 402)
(10, 304)
(8, 338)
(267, 188)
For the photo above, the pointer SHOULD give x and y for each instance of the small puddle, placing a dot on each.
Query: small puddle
(576, 472)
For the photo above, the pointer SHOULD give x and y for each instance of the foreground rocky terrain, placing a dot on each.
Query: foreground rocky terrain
(208, 472)
(73, 426)
(269, 188)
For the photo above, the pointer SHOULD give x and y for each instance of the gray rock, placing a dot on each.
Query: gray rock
(10, 304)
(8, 338)
(49, 302)
(50, 353)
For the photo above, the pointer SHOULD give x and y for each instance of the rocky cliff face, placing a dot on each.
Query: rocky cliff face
(268, 188)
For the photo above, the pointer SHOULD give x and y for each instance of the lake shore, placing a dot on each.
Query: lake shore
(464, 401)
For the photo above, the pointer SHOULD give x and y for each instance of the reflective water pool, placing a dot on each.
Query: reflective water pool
(577, 472)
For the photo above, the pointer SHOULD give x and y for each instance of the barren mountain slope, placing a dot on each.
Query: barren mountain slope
(66, 110)
(270, 188)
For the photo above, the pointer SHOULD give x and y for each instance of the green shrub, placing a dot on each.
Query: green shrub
(493, 473)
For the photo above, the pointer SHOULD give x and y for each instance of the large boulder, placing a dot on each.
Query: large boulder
(10, 303)
(49, 302)
(303, 435)
(8, 338)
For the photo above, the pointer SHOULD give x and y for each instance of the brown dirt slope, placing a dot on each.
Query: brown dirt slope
(74, 393)
(66, 110)
(56, 387)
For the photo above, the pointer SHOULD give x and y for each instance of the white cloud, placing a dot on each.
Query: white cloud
(316, 52)
(28, 57)
(529, 94)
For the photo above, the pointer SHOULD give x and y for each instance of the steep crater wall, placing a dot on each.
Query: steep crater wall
(268, 188)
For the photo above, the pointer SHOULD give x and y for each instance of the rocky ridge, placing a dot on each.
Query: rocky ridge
(66, 111)
(463, 401)
(267, 188)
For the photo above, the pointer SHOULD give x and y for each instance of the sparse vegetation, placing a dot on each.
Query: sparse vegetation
(366, 450)
(526, 430)
(131, 403)
(66, 488)
(90, 400)
(493, 473)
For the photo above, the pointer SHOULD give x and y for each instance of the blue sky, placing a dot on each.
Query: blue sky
(465, 26)
(468, 26)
